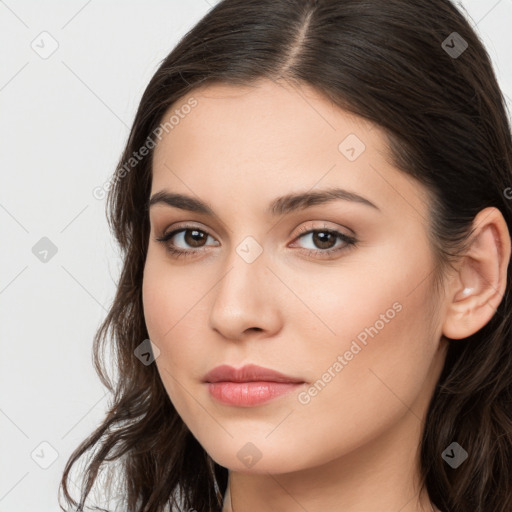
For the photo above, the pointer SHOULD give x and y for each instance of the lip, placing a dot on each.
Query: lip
(247, 373)
(248, 386)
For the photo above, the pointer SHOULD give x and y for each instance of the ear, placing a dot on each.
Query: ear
(481, 280)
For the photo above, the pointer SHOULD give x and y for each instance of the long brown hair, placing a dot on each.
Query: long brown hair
(416, 69)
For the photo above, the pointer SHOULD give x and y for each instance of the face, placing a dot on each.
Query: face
(332, 292)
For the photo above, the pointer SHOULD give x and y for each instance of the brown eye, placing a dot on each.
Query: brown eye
(195, 237)
(192, 237)
(324, 242)
(324, 239)
(185, 241)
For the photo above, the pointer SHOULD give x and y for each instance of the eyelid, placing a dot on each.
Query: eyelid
(304, 230)
(187, 225)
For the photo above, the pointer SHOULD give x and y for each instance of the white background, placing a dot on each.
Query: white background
(63, 123)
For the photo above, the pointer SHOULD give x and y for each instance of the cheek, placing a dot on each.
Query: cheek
(155, 301)
(169, 297)
(174, 313)
(378, 300)
(378, 324)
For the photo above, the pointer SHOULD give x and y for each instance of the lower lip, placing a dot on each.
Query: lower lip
(248, 394)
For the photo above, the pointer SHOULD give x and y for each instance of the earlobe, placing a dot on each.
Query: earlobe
(481, 280)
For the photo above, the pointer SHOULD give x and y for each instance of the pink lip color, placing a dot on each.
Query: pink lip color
(248, 386)
(247, 394)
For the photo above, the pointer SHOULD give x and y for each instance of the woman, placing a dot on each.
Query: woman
(314, 211)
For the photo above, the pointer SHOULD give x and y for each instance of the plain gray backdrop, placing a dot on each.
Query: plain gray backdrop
(71, 77)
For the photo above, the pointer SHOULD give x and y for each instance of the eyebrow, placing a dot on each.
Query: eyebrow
(279, 206)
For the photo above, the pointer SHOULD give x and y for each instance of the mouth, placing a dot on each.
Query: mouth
(248, 386)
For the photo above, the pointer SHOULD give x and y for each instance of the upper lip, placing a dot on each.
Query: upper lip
(247, 373)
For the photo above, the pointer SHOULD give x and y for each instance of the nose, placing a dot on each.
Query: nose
(245, 299)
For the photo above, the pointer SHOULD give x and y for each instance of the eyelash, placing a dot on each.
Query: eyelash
(349, 241)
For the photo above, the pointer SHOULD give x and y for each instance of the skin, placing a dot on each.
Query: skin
(354, 445)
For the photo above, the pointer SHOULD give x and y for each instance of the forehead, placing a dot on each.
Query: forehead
(269, 139)
(263, 117)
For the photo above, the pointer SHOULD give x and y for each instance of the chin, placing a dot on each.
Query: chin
(256, 457)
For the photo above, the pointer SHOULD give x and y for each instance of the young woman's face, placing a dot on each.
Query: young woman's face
(334, 294)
